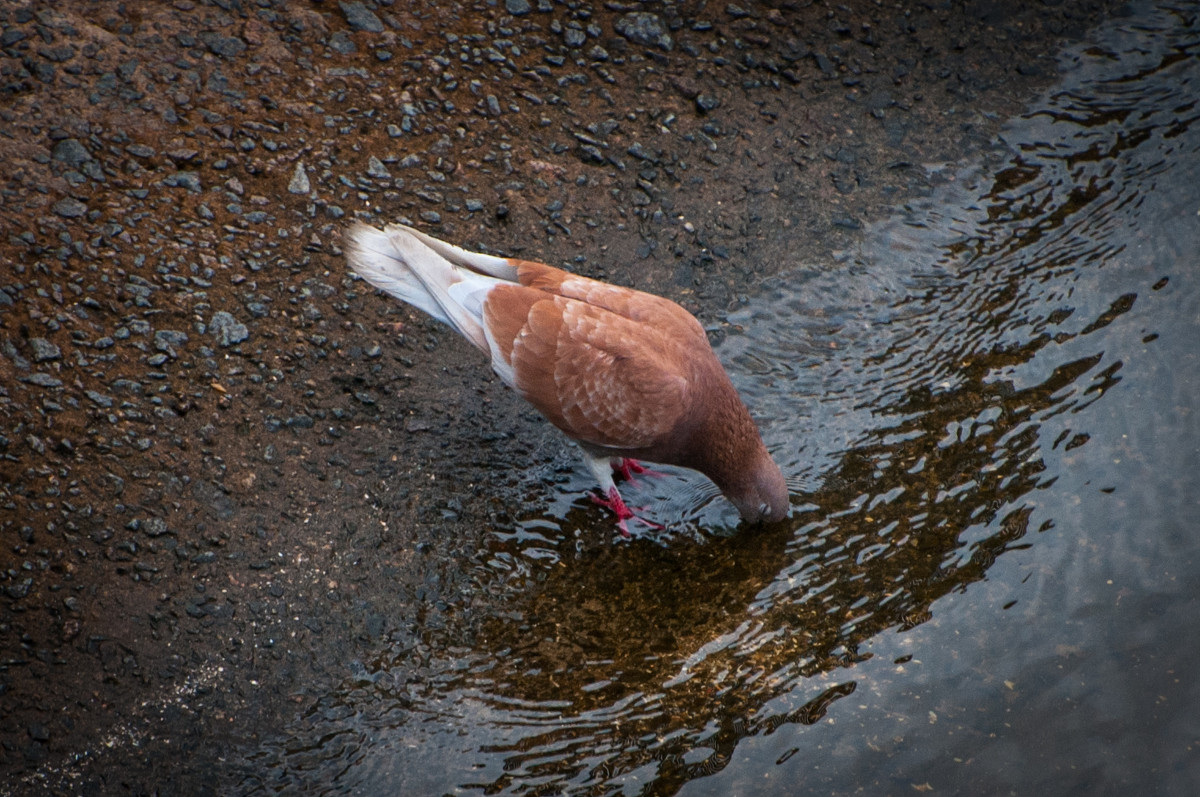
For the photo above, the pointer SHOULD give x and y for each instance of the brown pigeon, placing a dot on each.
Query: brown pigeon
(628, 375)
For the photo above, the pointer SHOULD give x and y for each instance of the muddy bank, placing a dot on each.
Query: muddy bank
(229, 471)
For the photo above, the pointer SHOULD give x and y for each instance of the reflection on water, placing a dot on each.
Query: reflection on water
(963, 389)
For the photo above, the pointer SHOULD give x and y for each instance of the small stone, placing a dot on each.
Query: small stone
(643, 28)
(638, 151)
(591, 154)
(17, 591)
(224, 46)
(188, 180)
(153, 527)
(167, 340)
(340, 42)
(227, 329)
(99, 399)
(474, 205)
(360, 17)
(573, 37)
(70, 208)
(71, 152)
(493, 105)
(299, 183)
(42, 380)
(375, 168)
(518, 8)
(44, 350)
(707, 102)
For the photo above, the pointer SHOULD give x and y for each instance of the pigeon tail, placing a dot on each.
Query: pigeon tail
(440, 280)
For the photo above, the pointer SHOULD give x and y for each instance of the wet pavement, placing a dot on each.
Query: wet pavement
(267, 531)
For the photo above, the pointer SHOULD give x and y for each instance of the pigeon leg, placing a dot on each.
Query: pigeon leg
(609, 497)
(612, 500)
(629, 467)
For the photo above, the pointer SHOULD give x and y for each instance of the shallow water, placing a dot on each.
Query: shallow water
(990, 580)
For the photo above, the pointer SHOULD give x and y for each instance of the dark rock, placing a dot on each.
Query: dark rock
(227, 329)
(70, 208)
(42, 380)
(58, 54)
(573, 37)
(340, 42)
(99, 399)
(518, 8)
(224, 46)
(188, 180)
(641, 27)
(591, 154)
(299, 183)
(153, 527)
(360, 17)
(376, 169)
(166, 340)
(19, 589)
(44, 350)
(71, 152)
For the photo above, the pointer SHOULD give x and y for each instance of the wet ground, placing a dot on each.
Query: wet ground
(268, 531)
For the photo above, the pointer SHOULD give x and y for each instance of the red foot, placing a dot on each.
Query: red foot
(614, 502)
(628, 468)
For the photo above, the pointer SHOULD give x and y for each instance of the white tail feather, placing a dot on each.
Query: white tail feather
(494, 266)
(435, 277)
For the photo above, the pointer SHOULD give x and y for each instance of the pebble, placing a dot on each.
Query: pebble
(188, 180)
(299, 183)
(42, 380)
(153, 526)
(360, 17)
(224, 46)
(44, 350)
(642, 27)
(375, 168)
(70, 151)
(340, 42)
(227, 329)
(70, 208)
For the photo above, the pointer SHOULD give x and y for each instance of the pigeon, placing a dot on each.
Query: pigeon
(628, 375)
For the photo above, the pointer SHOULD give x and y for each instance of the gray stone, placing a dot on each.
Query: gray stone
(518, 8)
(44, 350)
(188, 180)
(98, 398)
(340, 42)
(375, 168)
(299, 183)
(70, 208)
(166, 340)
(641, 27)
(153, 527)
(42, 380)
(224, 46)
(227, 329)
(573, 37)
(70, 151)
(360, 17)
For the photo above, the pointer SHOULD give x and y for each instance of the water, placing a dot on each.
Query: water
(988, 415)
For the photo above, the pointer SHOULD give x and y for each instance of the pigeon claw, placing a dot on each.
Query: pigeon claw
(629, 467)
(614, 502)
